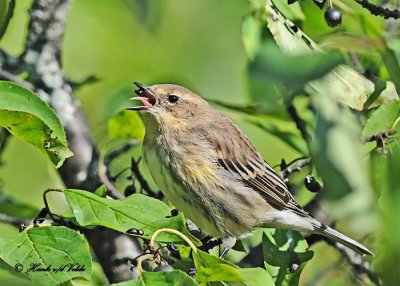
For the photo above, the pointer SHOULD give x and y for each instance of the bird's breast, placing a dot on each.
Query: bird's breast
(177, 180)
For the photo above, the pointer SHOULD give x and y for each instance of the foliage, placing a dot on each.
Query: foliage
(30, 119)
(335, 101)
(136, 211)
(50, 248)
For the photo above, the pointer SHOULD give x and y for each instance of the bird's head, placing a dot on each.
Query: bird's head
(170, 104)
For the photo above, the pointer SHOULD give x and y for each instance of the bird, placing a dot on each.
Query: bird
(208, 169)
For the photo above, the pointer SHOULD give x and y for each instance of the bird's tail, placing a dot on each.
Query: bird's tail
(341, 238)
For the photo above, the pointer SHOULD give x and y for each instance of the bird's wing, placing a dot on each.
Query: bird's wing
(237, 155)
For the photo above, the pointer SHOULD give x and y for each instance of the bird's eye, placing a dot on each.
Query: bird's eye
(172, 98)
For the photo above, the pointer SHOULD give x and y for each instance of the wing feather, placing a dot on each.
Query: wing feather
(237, 155)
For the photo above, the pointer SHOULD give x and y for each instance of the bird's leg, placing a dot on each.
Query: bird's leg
(227, 243)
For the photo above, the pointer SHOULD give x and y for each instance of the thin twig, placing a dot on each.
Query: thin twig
(300, 124)
(5, 75)
(104, 169)
(138, 175)
(297, 166)
(357, 262)
(379, 10)
(378, 136)
(112, 191)
(119, 151)
(356, 62)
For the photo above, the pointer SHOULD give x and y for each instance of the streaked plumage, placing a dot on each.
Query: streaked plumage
(209, 169)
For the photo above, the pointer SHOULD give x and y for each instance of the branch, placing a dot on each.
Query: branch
(356, 261)
(15, 221)
(42, 61)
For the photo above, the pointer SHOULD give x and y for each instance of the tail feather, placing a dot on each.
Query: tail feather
(341, 238)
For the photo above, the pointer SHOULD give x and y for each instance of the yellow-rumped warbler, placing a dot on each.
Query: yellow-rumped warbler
(210, 170)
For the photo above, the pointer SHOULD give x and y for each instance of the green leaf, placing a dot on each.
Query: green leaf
(251, 35)
(267, 96)
(101, 191)
(342, 83)
(165, 278)
(64, 254)
(292, 71)
(391, 58)
(212, 269)
(5, 19)
(126, 125)
(292, 139)
(257, 4)
(285, 252)
(383, 119)
(272, 74)
(136, 211)
(337, 150)
(385, 176)
(292, 11)
(252, 108)
(30, 119)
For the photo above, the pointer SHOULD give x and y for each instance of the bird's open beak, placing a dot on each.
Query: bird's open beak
(145, 95)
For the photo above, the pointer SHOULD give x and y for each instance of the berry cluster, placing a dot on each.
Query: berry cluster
(333, 17)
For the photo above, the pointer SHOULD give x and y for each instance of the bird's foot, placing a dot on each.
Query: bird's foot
(228, 243)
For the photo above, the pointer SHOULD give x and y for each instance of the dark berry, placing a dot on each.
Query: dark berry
(333, 17)
(311, 184)
(320, 3)
(133, 231)
(291, 1)
(140, 232)
(129, 190)
(172, 247)
(174, 212)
